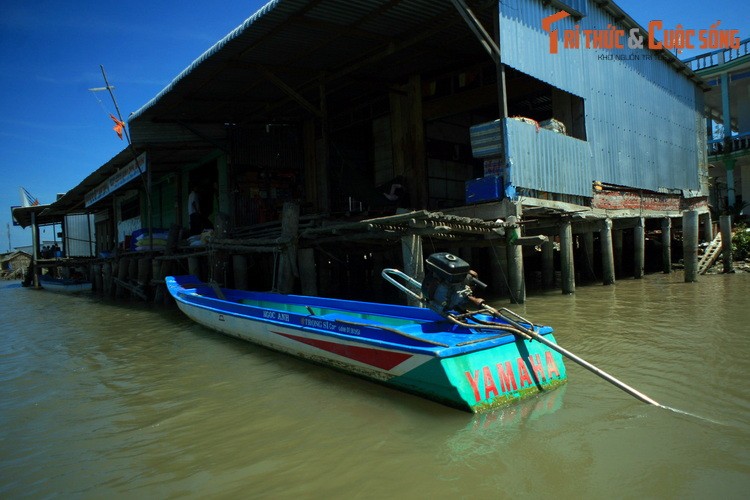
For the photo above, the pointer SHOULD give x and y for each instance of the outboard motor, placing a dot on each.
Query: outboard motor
(449, 283)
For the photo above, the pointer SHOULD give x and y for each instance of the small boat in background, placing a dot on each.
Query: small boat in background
(469, 360)
(65, 285)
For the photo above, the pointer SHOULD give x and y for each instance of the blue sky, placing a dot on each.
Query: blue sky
(54, 132)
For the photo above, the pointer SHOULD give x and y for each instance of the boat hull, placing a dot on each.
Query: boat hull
(65, 286)
(466, 372)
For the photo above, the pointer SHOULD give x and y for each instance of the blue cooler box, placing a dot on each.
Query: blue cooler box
(484, 189)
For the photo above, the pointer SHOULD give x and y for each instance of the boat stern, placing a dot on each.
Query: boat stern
(490, 378)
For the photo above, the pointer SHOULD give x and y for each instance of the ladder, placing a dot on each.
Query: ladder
(709, 256)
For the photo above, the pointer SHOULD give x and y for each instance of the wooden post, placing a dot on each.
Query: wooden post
(708, 227)
(690, 244)
(96, 272)
(725, 225)
(548, 264)
(588, 248)
(567, 266)
(666, 244)
(133, 268)
(308, 273)
(288, 261)
(411, 250)
(416, 135)
(617, 251)
(107, 278)
(156, 276)
(498, 269)
(515, 265)
(194, 266)
(639, 252)
(218, 260)
(161, 295)
(144, 270)
(608, 260)
(35, 250)
(239, 265)
(123, 266)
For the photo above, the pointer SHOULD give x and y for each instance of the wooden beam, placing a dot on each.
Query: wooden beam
(289, 90)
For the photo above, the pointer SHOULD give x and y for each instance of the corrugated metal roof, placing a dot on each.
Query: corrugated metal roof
(303, 43)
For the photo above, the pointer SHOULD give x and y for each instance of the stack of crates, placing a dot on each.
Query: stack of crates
(486, 143)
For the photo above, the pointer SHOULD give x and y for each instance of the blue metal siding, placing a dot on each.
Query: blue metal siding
(642, 116)
(545, 160)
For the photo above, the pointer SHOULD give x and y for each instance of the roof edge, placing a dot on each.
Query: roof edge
(208, 53)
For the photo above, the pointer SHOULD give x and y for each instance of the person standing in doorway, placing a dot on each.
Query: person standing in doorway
(194, 211)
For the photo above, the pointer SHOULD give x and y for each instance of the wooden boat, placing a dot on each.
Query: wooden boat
(65, 285)
(475, 362)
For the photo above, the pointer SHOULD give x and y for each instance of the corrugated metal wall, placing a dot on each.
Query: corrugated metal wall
(642, 116)
(544, 160)
(80, 235)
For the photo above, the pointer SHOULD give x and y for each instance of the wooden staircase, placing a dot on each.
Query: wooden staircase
(709, 256)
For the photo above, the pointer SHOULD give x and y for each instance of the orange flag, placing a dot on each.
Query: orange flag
(119, 125)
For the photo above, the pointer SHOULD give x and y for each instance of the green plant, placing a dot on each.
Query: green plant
(741, 242)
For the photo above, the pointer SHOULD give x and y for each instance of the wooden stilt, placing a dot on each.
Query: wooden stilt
(608, 260)
(690, 245)
(639, 252)
(123, 267)
(107, 278)
(194, 266)
(307, 272)
(288, 270)
(548, 264)
(708, 227)
(567, 266)
(725, 225)
(666, 244)
(617, 251)
(239, 267)
(588, 249)
(411, 250)
(515, 266)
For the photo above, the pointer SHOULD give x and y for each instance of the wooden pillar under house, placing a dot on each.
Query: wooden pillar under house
(639, 252)
(288, 270)
(690, 245)
(307, 272)
(413, 257)
(515, 266)
(588, 249)
(194, 266)
(107, 278)
(567, 266)
(239, 270)
(708, 227)
(725, 226)
(666, 245)
(499, 269)
(548, 264)
(123, 266)
(617, 237)
(608, 261)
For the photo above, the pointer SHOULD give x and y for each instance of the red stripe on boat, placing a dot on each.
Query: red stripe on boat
(373, 357)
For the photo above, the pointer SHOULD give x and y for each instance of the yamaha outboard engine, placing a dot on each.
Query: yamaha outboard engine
(449, 283)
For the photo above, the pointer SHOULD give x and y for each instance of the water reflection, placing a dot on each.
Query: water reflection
(102, 399)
